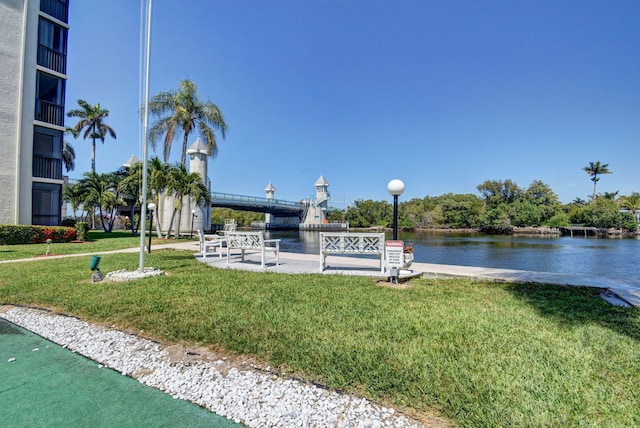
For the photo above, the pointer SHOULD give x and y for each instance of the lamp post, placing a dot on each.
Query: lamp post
(395, 188)
(152, 208)
(193, 215)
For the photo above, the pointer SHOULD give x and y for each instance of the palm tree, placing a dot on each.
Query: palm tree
(130, 185)
(92, 122)
(158, 178)
(183, 110)
(183, 184)
(632, 203)
(100, 190)
(579, 201)
(73, 194)
(68, 156)
(593, 170)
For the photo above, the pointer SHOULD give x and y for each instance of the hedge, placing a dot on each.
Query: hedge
(11, 234)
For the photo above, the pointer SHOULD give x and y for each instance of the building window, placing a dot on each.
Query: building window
(49, 99)
(47, 153)
(46, 204)
(52, 46)
(57, 8)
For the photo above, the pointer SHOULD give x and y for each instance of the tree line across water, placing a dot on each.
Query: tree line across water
(500, 207)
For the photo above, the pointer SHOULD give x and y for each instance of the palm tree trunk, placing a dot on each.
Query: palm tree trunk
(93, 155)
(183, 159)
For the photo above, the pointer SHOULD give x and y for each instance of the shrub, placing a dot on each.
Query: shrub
(68, 222)
(82, 227)
(55, 233)
(25, 234)
(12, 234)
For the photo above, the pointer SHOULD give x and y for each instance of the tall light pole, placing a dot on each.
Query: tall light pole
(395, 188)
(145, 143)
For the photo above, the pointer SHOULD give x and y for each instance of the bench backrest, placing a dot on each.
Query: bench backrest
(230, 225)
(352, 243)
(246, 240)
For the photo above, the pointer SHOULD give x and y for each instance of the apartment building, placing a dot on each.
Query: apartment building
(33, 74)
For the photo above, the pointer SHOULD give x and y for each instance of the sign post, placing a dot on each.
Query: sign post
(393, 255)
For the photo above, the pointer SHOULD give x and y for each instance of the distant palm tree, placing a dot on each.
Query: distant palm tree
(158, 177)
(183, 110)
(100, 190)
(593, 170)
(632, 203)
(579, 201)
(74, 194)
(183, 184)
(612, 196)
(130, 186)
(68, 156)
(92, 122)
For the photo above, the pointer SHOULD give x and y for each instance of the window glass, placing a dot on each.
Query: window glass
(50, 88)
(47, 142)
(52, 36)
(46, 204)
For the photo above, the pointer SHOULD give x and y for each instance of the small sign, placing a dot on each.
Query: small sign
(393, 253)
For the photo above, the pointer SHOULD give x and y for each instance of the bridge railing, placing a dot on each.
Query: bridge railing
(252, 200)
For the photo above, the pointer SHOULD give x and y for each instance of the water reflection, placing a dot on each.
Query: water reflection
(616, 258)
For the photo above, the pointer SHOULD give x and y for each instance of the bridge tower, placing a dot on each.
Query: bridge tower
(198, 162)
(317, 211)
(268, 217)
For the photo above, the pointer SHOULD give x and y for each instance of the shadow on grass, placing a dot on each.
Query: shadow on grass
(579, 305)
(94, 235)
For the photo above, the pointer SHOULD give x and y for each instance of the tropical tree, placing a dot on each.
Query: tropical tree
(594, 169)
(183, 110)
(612, 196)
(100, 191)
(74, 194)
(632, 203)
(68, 156)
(130, 187)
(158, 179)
(92, 125)
(183, 184)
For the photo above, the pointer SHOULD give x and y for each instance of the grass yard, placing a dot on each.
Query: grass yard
(481, 354)
(98, 241)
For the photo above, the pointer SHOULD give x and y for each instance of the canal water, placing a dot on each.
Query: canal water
(607, 257)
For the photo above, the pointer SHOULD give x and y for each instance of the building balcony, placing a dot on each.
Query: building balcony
(45, 167)
(49, 113)
(59, 9)
(52, 60)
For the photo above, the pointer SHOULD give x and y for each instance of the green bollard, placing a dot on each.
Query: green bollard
(95, 261)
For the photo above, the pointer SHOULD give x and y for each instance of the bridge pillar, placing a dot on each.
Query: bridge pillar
(317, 212)
(198, 162)
(270, 195)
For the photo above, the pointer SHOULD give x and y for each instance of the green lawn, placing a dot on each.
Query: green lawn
(98, 241)
(480, 353)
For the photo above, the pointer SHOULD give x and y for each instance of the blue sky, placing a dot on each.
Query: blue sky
(440, 94)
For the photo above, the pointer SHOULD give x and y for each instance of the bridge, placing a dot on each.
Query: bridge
(278, 207)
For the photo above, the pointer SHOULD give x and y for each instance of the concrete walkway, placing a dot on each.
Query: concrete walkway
(625, 293)
(621, 292)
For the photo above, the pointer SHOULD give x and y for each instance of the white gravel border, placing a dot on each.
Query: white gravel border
(251, 397)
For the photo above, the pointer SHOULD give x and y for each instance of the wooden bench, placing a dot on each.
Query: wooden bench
(215, 243)
(351, 244)
(252, 241)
